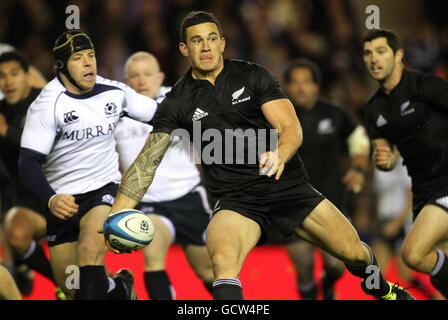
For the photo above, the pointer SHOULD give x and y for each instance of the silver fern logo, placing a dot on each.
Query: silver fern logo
(237, 94)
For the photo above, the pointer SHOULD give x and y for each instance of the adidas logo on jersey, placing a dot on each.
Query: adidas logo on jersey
(199, 114)
(70, 117)
(443, 201)
(381, 121)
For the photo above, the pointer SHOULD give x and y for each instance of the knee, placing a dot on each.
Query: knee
(225, 264)
(91, 253)
(19, 234)
(411, 257)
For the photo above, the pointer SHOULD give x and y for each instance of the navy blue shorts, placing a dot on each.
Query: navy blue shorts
(61, 231)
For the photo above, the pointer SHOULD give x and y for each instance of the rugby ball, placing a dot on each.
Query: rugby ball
(128, 229)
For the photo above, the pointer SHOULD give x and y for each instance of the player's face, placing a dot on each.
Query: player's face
(13, 81)
(143, 76)
(302, 89)
(204, 47)
(380, 59)
(82, 68)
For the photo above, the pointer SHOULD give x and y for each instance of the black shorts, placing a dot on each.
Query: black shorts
(286, 214)
(434, 196)
(188, 216)
(61, 231)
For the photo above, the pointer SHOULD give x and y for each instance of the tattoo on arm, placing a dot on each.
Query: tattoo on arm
(140, 174)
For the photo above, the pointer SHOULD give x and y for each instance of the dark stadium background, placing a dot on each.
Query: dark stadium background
(270, 32)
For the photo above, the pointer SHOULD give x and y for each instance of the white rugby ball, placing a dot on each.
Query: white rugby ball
(128, 229)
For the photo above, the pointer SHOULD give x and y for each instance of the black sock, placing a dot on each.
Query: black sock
(439, 275)
(332, 274)
(158, 285)
(36, 259)
(117, 290)
(308, 291)
(93, 283)
(379, 287)
(227, 289)
(208, 286)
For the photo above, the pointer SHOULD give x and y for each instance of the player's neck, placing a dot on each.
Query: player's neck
(210, 76)
(71, 87)
(393, 80)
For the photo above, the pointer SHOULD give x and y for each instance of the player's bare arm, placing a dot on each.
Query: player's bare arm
(140, 174)
(384, 155)
(282, 116)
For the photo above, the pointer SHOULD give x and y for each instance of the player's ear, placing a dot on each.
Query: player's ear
(223, 44)
(183, 49)
(399, 55)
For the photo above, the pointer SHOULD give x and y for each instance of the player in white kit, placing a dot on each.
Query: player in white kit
(176, 202)
(68, 159)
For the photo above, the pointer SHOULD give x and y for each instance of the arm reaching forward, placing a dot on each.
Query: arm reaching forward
(140, 174)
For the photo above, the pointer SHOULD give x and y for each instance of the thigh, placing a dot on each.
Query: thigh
(430, 230)
(92, 246)
(8, 288)
(329, 229)
(62, 258)
(155, 253)
(231, 235)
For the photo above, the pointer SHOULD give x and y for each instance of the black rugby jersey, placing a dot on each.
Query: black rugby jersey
(234, 102)
(15, 117)
(326, 128)
(414, 117)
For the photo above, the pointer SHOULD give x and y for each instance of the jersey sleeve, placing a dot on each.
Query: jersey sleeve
(138, 106)
(370, 124)
(167, 117)
(266, 85)
(40, 128)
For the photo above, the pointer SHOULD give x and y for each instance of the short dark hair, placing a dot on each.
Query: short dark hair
(15, 56)
(197, 17)
(306, 64)
(392, 39)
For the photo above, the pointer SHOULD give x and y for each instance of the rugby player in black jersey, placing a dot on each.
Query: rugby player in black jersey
(409, 114)
(331, 128)
(24, 222)
(216, 95)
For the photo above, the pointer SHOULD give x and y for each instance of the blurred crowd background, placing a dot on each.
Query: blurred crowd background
(270, 32)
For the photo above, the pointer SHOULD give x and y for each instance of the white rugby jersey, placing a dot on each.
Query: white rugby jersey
(176, 175)
(76, 132)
